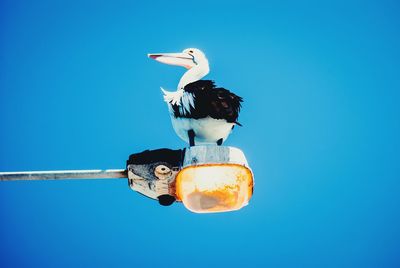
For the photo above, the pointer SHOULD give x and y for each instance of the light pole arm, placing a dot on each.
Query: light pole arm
(64, 174)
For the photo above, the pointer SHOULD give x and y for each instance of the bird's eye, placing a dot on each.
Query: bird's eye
(190, 51)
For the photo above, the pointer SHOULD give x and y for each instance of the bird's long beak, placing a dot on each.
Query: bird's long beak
(180, 59)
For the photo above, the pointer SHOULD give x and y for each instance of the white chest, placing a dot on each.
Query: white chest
(207, 130)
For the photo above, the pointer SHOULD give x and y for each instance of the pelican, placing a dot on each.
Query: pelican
(201, 113)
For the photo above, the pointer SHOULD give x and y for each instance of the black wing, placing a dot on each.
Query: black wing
(209, 100)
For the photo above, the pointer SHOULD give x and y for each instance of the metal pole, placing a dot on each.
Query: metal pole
(64, 174)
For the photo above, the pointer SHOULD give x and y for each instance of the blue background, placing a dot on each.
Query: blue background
(321, 131)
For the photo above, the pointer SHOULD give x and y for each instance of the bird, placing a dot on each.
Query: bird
(201, 112)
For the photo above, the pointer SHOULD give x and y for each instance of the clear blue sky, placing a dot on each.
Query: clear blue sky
(320, 129)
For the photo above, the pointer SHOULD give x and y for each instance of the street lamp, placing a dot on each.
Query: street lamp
(205, 179)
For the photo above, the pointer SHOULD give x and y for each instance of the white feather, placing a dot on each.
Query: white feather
(173, 97)
(207, 130)
(187, 102)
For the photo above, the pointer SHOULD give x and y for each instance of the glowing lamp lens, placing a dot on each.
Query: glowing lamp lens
(214, 187)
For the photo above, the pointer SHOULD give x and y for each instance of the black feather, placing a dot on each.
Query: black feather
(209, 100)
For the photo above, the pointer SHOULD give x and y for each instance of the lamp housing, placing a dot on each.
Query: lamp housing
(206, 179)
(214, 179)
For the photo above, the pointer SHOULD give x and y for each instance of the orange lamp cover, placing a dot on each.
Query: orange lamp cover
(211, 188)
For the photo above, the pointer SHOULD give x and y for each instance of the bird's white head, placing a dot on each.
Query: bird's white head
(192, 59)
